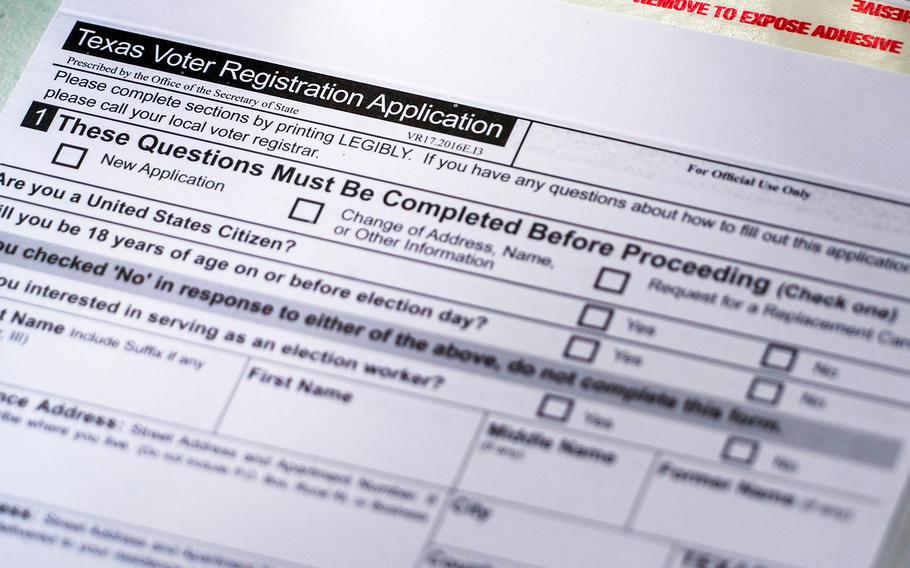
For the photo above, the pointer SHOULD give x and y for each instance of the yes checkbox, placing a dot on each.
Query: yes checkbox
(555, 407)
(779, 357)
(306, 210)
(765, 390)
(611, 280)
(582, 349)
(740, 450)
(69, 156)
(595, 317)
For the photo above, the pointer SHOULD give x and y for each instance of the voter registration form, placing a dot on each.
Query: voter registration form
(513, 284)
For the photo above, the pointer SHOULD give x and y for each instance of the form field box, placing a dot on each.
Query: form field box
(779, 357)
(765, 390)
(69, 156)
(739, 450)
(611, 280)
(306, 210)
(260, 413)
(555, 407)
(582, 349)
(595, 317)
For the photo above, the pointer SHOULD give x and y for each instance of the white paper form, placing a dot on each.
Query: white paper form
(463, 285)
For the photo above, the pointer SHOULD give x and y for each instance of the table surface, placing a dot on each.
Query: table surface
(21, 25)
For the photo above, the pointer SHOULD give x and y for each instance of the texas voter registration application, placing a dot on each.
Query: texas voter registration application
(517, 284)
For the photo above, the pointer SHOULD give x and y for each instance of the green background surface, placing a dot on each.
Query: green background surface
(21, 24)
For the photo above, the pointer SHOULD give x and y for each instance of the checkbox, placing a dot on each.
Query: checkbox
(779, 357)
(610, 280)
(555, 407)
(765, 390)
(69, 156)
(306, 210)
(595, 317)
(581, 349)
(740, 450)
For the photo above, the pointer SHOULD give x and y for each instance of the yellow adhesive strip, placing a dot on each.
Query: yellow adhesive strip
(876, 34)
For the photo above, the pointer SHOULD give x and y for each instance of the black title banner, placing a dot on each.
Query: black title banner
(289, 83)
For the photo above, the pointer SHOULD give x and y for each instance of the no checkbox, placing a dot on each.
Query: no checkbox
(595, 317)
(765, 390)
(69, 156)
(779, 357)
(740, 450)
(555, 407)
(306, 210)
(39, 116)
(582, 349)
(611, 280)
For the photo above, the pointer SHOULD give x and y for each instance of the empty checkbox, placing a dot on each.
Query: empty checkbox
(69, 156)
(581, 349)
(555, 407)
(779, 357)
(611, 280)
(765, 390)
(595, 317)
(740, 450)
(306, 210)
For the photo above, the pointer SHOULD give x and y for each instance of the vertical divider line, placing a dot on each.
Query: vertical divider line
(450, 491)
(230, 398)
(522, 143)
(642, 491)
